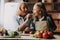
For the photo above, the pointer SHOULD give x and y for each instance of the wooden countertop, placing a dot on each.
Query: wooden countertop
(27, 37)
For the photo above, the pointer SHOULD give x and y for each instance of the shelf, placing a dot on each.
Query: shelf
(48, 3)
(51, 3)
(47, 11)
(43, 3)
(56, 19)
(54, 11)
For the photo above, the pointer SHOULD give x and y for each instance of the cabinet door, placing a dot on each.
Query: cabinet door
(49, 1)
(58, 1)
(49, 7)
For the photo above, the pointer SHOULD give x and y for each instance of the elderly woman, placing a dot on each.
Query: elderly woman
(40, 14)
(18, 22)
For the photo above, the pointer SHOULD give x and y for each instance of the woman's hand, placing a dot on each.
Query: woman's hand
(29, 16)
(27, 29)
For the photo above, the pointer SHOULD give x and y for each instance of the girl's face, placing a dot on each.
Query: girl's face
(36, 10)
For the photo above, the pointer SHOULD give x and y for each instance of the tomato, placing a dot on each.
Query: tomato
(42, 31)
(45, 35)
(50, 34)
(39, 35)
(45, 31)
(31, 32)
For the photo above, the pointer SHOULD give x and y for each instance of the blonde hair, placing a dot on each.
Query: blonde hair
(39, 4)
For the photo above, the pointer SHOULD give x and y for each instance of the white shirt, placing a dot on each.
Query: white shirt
(20, 20)
(41, 18)
(12, 24)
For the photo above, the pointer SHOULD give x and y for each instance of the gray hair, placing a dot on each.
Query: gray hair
(23, 3)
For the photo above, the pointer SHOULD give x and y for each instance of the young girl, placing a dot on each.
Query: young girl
(40, 14)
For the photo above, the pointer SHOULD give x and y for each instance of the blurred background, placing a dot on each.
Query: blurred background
(9, 7)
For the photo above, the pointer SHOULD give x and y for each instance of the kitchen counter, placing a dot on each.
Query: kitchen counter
(56, 37)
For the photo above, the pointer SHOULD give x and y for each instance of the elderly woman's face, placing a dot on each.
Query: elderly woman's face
(36, 10)
(23, 9)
